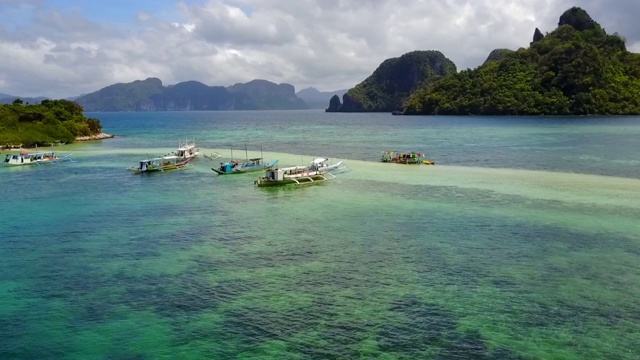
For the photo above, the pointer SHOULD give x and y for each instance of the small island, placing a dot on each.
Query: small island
(50, 122)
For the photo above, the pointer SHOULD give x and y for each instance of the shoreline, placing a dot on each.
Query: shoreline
(100, 136)
(95, 137)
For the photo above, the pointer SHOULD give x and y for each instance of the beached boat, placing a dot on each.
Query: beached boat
(298, 175)
(159, 164)
(35, 158)
(405, 158)
(186, 150)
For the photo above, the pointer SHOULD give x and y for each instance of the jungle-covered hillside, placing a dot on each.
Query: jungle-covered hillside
(393, 81)
(50, 121)
(578, 69)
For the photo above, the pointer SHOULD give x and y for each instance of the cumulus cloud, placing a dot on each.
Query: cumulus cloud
(328, 44)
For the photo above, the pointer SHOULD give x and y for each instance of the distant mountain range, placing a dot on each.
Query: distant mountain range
(151, 95)
(8, 99)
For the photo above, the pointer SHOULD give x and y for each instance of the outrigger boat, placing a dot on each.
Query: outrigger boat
(187, 150)
(35, 158)
(297, 175)
(322, 165)
(165, 163)
(249, 165)
(405, 158)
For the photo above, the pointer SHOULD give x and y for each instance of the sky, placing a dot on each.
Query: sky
(65, 48)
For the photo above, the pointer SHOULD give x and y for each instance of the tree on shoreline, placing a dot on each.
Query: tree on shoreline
(41, 124)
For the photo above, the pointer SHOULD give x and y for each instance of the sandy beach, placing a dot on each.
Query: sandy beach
(95, 137)
(100, 136)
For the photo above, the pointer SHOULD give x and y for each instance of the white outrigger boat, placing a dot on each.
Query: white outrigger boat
(160, 164)
(322, 165)
(35, 158)
(187, 150)
(297, 175)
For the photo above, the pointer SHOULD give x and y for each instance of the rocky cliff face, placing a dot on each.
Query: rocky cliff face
(537, 36)
(318, 99)
(394, 80)
(334, 104)
(578, 19)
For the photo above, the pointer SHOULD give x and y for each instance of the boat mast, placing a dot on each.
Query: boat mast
(246, 154)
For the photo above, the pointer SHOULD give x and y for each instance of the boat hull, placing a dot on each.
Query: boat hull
(227, 169)
(302, 180)
(162, 167)
(239, 171)
(34, 159)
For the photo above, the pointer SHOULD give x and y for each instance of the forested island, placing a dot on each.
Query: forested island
(578, 69)
(393, 82)
(51, 121)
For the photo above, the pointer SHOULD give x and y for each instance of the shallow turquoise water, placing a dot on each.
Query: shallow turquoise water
(522, 243)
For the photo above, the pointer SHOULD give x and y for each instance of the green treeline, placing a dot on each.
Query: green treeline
(48, 122)
(578, 69)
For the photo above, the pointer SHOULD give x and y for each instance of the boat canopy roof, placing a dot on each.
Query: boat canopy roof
(319, 160)
(290, 168)
(255, 159)
(39, 153)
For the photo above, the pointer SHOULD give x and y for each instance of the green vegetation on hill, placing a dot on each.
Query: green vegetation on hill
(394, 80)
(121, 97)
(47, 122)
(151, 95)
(578, 69)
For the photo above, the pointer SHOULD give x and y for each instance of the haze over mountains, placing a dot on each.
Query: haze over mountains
(152, 95)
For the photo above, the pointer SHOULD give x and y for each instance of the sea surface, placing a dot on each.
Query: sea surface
(522, 242)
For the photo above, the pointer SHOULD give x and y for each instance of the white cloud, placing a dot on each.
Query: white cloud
(329, 44)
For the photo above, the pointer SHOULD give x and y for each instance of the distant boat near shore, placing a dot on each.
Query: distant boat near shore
(35, 158)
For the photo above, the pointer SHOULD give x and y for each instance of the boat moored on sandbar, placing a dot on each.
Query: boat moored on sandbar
(160, 164)
(186, 150)
(298, 175)
(241, 167)
(397, 157)
(237, 167)
(35, 158)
